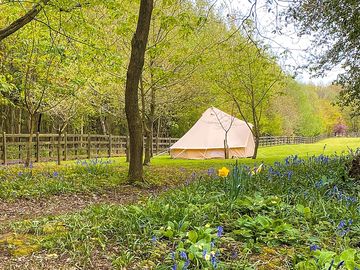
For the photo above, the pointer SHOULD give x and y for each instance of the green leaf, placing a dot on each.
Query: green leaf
(193, 236)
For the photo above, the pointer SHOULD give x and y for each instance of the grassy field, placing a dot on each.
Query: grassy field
(299, 212)
(274, 153)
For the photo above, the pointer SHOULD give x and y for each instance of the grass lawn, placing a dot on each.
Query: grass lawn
(270, 154)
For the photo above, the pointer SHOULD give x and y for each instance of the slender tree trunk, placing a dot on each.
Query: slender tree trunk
(103, 125)
(147, 146)
(30, 144)
(149, 129)
(19, 121)
(257, 142)
(138, 47)
(39, 123)
(12, 122)
(226, 147)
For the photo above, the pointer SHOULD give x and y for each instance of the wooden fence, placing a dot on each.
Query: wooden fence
(280, 140)
(55, 147)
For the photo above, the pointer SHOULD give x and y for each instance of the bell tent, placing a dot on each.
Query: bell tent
(206, 139)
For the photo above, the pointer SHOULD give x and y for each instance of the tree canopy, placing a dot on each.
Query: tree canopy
(335, 25)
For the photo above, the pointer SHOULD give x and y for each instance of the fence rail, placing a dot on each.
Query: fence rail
(58, 147)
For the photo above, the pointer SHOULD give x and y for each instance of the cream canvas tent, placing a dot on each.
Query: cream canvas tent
(206, 138)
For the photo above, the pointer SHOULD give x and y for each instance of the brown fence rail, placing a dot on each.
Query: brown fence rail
(58, 147)
(281, 140)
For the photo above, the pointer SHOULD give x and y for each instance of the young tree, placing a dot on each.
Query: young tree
(226, 129)
(250, 77)
(138, 47)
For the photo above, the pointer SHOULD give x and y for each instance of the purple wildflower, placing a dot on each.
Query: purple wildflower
(183, 255)
(314, 247)
(153, 239)
(220, 231)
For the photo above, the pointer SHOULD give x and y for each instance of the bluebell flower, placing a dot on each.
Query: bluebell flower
(289, 174)
(153, 239)
(314, 247)
(183, 255)
(287, 161)
(204, 253)
(212, 244)
(187, 263)
(174, 267)
(55, 174)
(20, 174)
(172, 255)
(341, 224)
(319, 184)
(213, 261)
(211, 171)
(220, 231)
(234, 255)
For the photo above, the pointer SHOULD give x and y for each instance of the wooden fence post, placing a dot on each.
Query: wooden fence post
(157, 144)
(37, 157)
(4, 147)
(110, 145)
(65, 146)
(89, 146)
(59, 149)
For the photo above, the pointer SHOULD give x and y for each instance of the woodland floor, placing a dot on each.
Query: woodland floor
(26, 209)
(22, 209)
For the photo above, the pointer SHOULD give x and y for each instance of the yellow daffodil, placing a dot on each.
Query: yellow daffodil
(223, 172)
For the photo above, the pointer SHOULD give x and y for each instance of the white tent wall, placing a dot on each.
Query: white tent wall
(205, 140)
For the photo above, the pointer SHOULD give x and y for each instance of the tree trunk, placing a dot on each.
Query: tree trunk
(138, 47)
(39, 123)
(12, 122)
(20, 120)
(149, 130)
(103, 125)
(226, 147)
(29, 144)
(147, 146)
(257, 141)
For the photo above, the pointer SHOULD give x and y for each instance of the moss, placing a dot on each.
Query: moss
(19, 244)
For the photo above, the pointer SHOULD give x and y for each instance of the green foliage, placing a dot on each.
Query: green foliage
(297, 203)
(82, 177)
(322, 259)
(335, 26)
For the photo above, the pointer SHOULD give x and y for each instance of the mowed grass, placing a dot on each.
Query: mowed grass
(270, 154)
